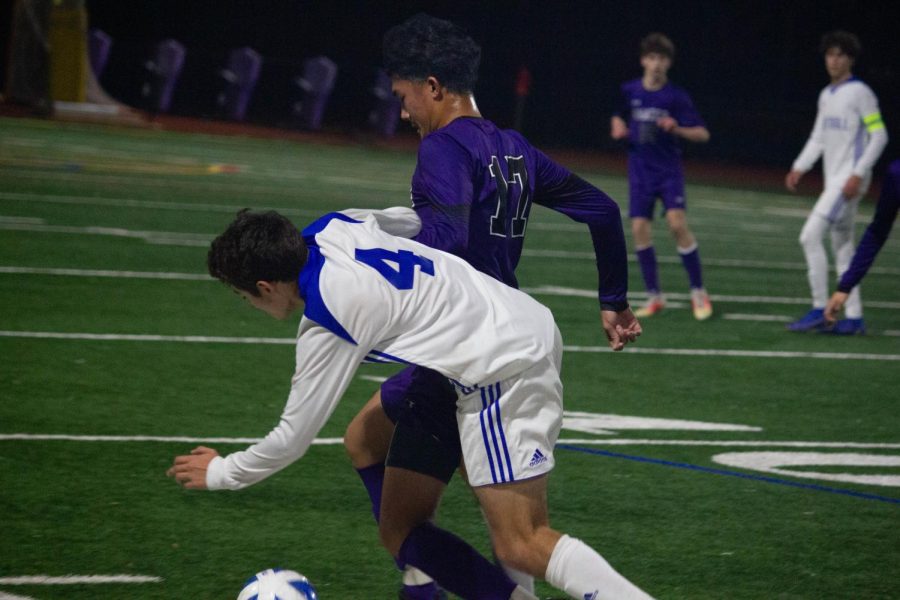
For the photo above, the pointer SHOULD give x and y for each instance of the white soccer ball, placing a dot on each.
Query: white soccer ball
(278, 584)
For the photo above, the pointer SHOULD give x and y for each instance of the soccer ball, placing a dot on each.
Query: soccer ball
(278, 584)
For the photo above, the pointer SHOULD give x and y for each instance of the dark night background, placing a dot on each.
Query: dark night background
(752, 68)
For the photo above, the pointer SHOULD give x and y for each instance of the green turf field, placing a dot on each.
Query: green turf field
(109, 327)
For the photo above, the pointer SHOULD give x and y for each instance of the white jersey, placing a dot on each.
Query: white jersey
(849, 132)
(370, 296)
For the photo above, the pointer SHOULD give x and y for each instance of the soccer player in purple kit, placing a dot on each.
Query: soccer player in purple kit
(472, 189)
(655, 115)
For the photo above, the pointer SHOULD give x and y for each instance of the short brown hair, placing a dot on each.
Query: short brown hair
(847, 42)
(657, 43)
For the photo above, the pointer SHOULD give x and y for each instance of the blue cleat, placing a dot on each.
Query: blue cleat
(814, 320)
(848, 327)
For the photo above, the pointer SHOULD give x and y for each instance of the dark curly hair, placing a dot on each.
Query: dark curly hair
(848, 43)
(425, 46)
(257, 246)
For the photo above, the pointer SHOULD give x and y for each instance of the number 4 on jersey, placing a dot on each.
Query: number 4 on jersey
(510, 199)
(402, 277)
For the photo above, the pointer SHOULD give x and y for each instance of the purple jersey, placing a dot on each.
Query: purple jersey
(473, 187)
(651, 146)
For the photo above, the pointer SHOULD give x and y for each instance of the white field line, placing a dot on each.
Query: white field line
(713, 262)
(148, 438)
(744, 317)
(77, 579)
(117, 337)
(105, 273)
(552, 290)
(546, 290)
(149, 204)
(200, 339)
(336, 441)
(892, 332)
(196, 239)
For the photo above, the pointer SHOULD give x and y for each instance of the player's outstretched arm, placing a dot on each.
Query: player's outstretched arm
(621, 327)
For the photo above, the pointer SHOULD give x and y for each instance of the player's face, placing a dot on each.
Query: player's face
(277, 299)
(838, 64)
(656, 65)
(415, 103)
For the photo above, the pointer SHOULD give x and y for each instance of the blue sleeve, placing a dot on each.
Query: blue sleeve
(877, 232)
(442, 192)
(564, 192)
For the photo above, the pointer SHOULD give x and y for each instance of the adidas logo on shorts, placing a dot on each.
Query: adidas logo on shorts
(591, 595)
(537, 458)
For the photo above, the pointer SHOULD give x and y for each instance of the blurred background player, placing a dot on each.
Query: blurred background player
(472, 188)
(658, 115)
(874, 238)
(849, 134)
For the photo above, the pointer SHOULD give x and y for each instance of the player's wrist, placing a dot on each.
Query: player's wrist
(614, 306)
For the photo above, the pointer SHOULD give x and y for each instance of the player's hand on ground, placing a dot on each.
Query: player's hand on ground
(189, 470)
(851, 187)
(621, 327)
(834, 306)
(792, 180)
(667, 124)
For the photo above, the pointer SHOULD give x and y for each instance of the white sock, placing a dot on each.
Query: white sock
(583, 574)
(413, 576)
(522, 594)
(522, 579)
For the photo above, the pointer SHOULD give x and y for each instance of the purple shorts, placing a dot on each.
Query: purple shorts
(426, 390)
(645, 185)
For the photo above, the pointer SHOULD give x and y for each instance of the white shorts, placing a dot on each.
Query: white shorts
(833, 207)
(508, 428)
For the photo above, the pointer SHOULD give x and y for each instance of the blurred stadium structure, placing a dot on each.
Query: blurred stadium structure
(753, 70)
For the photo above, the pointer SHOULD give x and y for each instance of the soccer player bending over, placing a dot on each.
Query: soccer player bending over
(655, 116)
(850, 136)
(369, 296)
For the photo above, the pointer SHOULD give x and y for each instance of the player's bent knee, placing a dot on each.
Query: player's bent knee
(367, 437)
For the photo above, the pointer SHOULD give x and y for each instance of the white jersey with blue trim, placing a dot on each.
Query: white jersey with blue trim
(373, 296)
(848, 133)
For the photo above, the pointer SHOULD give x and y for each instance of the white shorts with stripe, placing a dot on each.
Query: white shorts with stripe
(837, 209)
(508, 428)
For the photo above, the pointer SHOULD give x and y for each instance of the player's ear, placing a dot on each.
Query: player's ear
(264, 288)
(433, 87)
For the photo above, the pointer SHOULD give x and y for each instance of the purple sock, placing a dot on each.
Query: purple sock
(454, 564)
(373, 478)
(691, 262)
(647, 261)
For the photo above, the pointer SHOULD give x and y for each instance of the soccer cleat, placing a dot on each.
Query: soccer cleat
(654, 304)
(701, 304)
(814, 320)
(848, 327)
(428, 591)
